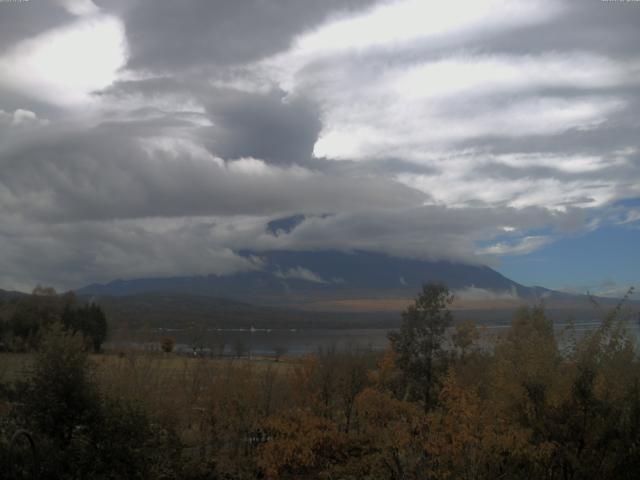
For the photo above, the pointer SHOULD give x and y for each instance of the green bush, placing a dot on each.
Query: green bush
(80, 431)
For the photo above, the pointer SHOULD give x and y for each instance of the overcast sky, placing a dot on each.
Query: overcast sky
(160, 137)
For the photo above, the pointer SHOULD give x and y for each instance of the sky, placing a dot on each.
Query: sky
(145, 138)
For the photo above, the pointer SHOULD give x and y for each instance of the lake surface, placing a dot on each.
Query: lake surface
(304, 341)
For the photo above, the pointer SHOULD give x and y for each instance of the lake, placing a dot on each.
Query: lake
(300, 341)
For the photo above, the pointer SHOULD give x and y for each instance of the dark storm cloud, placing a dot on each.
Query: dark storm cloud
(12, 101)
(165, 34)
(428, 232)
(618, 131)
(266, 126)
(70, 254)
(598, 26)
(156, 87)
(109, 172)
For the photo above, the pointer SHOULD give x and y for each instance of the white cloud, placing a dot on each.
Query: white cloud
(390, 23)
(21, 118)
(473, 293)
(453, 189)
(255, 167)
(400, 22)
(606, 288)
(371, 126)
(425, 107)
(64, 66)
(565, 163)
(301, 273)
(519, 247)
(631, 216)
(485, 74)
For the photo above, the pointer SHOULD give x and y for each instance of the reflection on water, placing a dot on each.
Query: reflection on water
(262, 341)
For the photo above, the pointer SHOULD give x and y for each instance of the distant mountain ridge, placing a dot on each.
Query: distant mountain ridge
(10, 294)
(324, 289)
(296, 277)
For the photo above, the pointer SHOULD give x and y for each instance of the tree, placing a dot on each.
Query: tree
(464, 336)
(24, 324)
(43, 291)
(32, 312)
(418, 344)
(61, 393)
(81, 431)
(326, 378)
(240, 347)
(96, 326)
(301, 445)
(352, 379)
(167, 344)
(392, 434)
(89, 320)
(468, 438)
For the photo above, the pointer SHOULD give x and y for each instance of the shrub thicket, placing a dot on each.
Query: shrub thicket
(82, 432)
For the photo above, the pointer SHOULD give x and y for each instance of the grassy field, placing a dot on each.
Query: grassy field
(15, 366)
(176, 386)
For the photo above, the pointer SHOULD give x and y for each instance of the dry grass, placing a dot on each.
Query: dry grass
(15, 366)
(194, 393)
(360, 305)
(399, 304)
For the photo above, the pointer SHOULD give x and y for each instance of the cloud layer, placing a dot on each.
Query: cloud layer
(146, 138)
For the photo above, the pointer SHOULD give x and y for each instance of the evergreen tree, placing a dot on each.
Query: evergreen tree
(419, 342)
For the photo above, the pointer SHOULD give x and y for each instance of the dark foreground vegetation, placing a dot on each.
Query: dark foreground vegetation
(430, 407)
(24, 317)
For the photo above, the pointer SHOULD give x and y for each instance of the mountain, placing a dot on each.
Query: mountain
(299, 278)
(324, 289)
(9, 294)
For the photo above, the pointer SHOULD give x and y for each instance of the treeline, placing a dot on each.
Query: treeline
(531, 405)
(23, 318)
